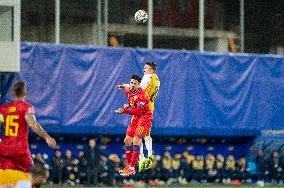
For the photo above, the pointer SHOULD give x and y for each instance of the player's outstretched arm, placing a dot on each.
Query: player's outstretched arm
(137, 111)
(126, 105)
(122, 86)
(119, 111)
(37, 128)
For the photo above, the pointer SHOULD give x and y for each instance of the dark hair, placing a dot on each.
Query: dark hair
(152, 64)
(136, 77)
(20, 89)
(39, 174)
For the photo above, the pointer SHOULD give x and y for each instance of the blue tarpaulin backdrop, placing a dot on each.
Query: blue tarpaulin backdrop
(72, 88)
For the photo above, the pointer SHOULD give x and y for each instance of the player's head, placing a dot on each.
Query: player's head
(150, 67)
(135, 82)
(19, 90)
(39, 176)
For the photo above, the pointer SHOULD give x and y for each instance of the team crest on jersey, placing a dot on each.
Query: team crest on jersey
(12, 109)
(141, 104)
(131, 104)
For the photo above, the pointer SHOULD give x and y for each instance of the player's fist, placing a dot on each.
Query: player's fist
(120, 86)
(50, 142)
(126, 105)
(0, 141)
(119, 111)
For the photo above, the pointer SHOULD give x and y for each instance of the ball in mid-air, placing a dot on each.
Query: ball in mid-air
(141, 16)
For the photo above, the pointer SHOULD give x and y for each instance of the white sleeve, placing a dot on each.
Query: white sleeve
(145, 81)
(127, 85)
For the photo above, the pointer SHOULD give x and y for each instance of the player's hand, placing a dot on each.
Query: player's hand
(126, 105)
(120, 86)
(119, 111)
(51, 142)
(0, 141)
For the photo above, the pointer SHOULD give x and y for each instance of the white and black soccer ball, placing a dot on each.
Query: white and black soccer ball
(141, 16)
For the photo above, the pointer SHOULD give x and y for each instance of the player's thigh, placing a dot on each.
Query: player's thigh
(23, 162)
(128, 140)
(132, 126)
(143, 127)
(130, 131)
(137, 140)
(149, 131)
(134, 120)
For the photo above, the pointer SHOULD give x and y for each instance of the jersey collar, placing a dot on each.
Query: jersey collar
(134, 92)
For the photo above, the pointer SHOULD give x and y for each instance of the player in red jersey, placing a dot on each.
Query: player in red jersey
(140, 125)
(17, 116)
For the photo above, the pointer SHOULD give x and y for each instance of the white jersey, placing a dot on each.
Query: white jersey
(145, 81)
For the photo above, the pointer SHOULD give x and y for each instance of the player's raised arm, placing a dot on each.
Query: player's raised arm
(122, 86)
(37, 128)
(126, 105)
(119, 111)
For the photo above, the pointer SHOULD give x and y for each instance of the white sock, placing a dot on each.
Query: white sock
(148, 143)
(23, 184)
(141, 155)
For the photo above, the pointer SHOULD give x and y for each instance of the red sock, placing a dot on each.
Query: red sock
(135, 155)
(128, 154)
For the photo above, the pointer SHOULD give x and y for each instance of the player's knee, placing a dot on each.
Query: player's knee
(137, 141)
(128, 141)
(148, 139)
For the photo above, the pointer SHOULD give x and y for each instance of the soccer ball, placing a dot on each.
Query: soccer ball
(141, 16)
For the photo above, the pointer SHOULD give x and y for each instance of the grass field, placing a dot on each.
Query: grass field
(197, 186)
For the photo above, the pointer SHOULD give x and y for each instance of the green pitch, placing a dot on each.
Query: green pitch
(189, 186)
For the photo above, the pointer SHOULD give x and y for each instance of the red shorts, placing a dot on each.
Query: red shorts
(140, 126)
(20, 162)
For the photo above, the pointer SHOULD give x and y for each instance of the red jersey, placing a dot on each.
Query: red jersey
(15, 134)
(138, 101)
